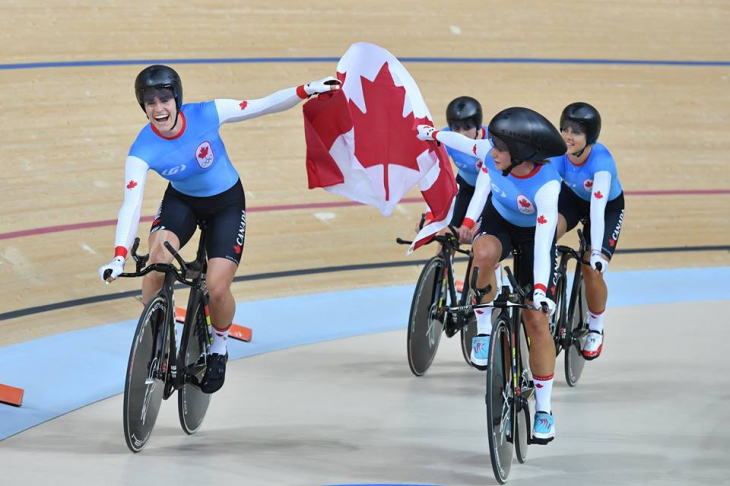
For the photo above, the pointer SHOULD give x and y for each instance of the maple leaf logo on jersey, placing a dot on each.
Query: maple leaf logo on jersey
(131, 185)
(384, 114)
(588, 185)
(525, 205)
(598, 195)
(612, 242)
(541, 219)
(204, 155)
(243, 105)
(237, 249)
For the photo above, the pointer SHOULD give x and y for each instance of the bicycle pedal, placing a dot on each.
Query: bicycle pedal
(580, 334)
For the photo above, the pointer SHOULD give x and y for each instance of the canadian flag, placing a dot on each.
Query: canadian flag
(361, 139)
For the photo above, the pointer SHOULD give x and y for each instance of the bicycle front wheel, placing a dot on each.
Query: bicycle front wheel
(426, 319)
(524, 402)
(578, 330)
(146, 374)
(192, 403)
(500, 398)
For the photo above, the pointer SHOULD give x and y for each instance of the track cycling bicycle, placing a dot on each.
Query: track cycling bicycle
(157, 366)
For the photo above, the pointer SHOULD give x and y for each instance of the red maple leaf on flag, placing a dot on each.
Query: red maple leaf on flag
(524, 203)
(237, 249)
(383, 116)
(203, 152)
(598, 195)
(131, 185)
(243, 105)
(542, 219)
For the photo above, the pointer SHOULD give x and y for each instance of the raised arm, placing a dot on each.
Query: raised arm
(230, 111)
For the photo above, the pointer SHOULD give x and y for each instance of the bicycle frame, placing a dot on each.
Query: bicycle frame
(191, 274)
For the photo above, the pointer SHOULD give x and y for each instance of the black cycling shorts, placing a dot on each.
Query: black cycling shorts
(512, 236)
(575, 210)
(224, 214)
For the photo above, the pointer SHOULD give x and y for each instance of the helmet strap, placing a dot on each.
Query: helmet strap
(514, 163)
(177, 115)
(580, 152)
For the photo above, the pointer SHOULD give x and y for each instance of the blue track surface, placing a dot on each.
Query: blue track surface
(64, 372)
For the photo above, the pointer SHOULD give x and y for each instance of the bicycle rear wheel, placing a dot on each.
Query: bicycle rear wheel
(426, 321)
(146, 374)
(499, 399)
(192, 403)
(578, 330)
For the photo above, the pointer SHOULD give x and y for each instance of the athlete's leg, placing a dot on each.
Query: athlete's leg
(222, 304)
(596, 289)
(562, 226)
(152, 282)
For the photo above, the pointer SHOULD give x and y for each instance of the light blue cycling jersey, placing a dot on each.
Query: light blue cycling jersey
(468, 165)
(513, 196)
(579, 178)
(195, 162)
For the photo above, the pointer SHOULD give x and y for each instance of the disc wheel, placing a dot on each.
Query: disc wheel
(192, 403)
(578, 330)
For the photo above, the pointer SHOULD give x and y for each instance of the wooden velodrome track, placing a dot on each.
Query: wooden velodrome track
(66, 129)
(68, 119)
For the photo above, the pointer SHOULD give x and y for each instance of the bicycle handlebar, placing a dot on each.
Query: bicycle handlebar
(141, 261)
(450, 240)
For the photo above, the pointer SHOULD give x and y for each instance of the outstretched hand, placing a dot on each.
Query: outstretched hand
(330, 83)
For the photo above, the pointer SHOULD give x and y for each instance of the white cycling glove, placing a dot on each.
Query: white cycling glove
(426, 133)
(597, 258)
(539, 298)
(323, 85)
(116, 267)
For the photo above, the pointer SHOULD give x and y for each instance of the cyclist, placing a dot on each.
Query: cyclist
(521, 211)
(591, 192)
(182, 143)
(463, 116)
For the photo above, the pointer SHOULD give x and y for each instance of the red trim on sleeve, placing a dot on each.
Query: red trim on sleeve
(468, 222)
(433, 135)
(541, 287)
(120, 251)
(301, 93)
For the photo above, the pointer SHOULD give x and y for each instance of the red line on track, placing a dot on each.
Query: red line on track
(337, 204)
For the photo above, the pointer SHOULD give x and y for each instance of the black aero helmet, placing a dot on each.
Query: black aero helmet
(158, 77)
(526, 134)
(586, 116)
(464, 112)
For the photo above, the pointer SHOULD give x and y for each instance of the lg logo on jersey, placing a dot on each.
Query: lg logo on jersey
(174, 170)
